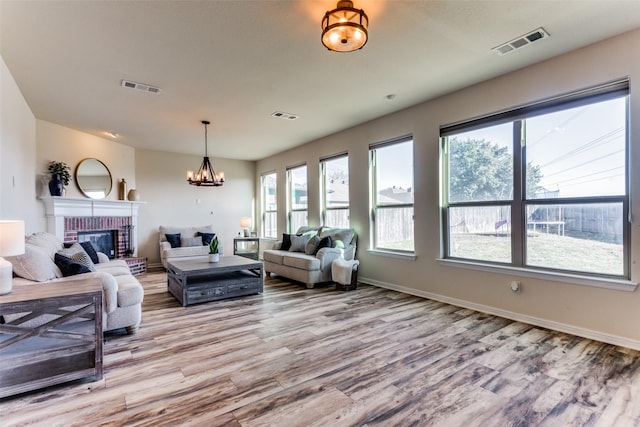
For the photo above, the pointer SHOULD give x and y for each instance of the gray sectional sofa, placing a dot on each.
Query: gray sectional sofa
(307, 255)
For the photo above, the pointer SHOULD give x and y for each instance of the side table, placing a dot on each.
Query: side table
(248, 247)
(53, 335)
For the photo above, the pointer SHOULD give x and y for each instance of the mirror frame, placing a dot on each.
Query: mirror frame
(86, 191)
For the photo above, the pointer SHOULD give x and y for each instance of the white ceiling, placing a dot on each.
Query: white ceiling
(236, 62)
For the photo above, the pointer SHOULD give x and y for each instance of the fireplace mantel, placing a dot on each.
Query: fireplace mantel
(57, 208)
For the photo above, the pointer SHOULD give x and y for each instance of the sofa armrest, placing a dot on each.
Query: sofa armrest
(327, 256)
(102, 258)
(164, 245)
(277, 245)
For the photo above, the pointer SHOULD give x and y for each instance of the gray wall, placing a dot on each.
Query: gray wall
(591, 311)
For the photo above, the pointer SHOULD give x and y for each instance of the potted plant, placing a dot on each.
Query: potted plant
(60, 177)
(214, 255)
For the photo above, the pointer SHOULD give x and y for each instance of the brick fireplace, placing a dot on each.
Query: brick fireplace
(66, 216)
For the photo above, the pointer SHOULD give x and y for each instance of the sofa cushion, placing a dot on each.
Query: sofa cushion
(301, 261)
(274, 256)
(206, 237)
(46, 241)
(69, 266)
(299, 242)
(35, 264)
(325, 242)
(286, 242)
(115, 268)
(173, 239)
(91, 251)
(77, 253)
(312, 245)
(186, 242)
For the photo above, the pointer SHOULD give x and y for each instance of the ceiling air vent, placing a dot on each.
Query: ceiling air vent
(140, 86)
(284, 115)
(521, 41)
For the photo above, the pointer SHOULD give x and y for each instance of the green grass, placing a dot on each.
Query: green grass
(544, 250)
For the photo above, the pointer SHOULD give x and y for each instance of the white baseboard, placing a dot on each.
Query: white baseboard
(556, 326)
(154, 265)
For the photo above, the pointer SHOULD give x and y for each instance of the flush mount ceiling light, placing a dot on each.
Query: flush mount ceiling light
(206, 176)
(344, 29)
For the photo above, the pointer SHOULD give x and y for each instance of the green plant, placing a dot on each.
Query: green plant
(61, 168)
(213, 245)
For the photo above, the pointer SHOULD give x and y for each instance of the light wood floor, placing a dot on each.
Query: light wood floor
(320, 357)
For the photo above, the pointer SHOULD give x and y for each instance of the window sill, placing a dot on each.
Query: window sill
(390, 254)
(576, 279)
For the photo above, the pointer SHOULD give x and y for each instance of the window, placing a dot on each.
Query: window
(334, 173)
(269, 206)
(542, 187)
(297, 197)
(392, 195)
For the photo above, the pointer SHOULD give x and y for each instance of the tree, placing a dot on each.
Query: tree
(480, 170)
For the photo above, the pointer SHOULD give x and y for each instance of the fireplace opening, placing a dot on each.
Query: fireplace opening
(104, 241)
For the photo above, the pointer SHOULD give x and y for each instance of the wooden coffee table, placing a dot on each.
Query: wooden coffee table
(198, 280)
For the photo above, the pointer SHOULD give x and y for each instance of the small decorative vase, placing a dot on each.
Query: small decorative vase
(122, 190)
(55, 185)
(214, 257)
(133, 195)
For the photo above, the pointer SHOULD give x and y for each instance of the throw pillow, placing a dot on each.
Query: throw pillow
(206, 237)
(190, 241)
(325, 242)
(286, 242)
(298, 243)
(35, 264)
(68, 266)
(173, 239)
(311, 247)
(91, 251)
(77, 253)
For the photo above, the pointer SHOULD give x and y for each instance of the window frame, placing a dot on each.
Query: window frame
(323, 192)
(290, 209)
(265, 210)
(373, 199)
(520, 201)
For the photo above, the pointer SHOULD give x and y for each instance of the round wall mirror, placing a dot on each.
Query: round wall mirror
(93, 178)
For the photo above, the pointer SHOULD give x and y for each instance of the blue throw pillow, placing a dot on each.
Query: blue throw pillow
(325, 242)
(70, 267)
(173, 239)
(206, 237)
(286, 242)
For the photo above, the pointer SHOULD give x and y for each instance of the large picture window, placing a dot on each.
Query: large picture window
(334, 173)
(269, 206)
(297, 202)
(542, 187)
(391, 165)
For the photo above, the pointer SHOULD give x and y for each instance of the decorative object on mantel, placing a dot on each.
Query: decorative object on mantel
(245, 223)
(344, 29)
(11, 243)
(60, 177)
(206, 175)
(133, 195)
(122, 190)
(214, 255)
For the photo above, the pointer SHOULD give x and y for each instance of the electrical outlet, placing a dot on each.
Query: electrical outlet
(515, 286)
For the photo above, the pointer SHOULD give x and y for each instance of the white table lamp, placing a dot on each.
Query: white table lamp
(11, 243)
(245, 223)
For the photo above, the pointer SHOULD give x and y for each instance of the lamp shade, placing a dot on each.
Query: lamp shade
(11, 237)
(245, 222)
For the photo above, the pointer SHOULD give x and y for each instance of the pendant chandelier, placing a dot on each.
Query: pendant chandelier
(206, 175)
(344, 29)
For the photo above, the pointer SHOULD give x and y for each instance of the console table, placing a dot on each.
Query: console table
(53, 335)
(248, 247)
